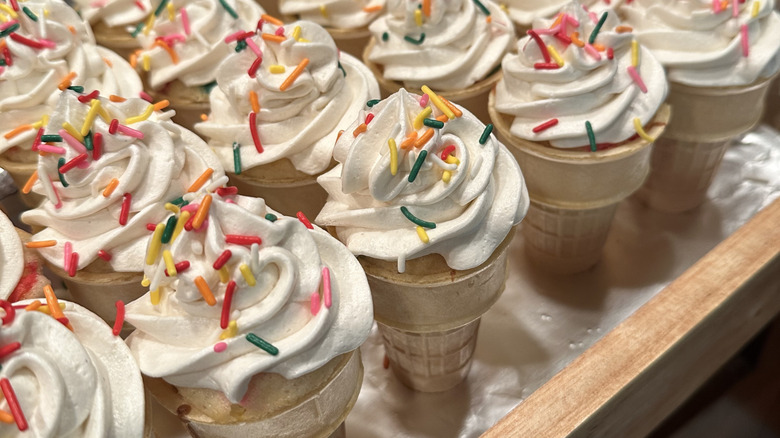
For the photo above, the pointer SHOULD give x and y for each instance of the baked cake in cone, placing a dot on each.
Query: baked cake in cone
(427, 198)
(717, 92)
(276, 113)
(272, 310)
(580, 118)
(20, 267)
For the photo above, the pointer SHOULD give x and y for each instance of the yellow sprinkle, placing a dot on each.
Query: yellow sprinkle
(452, 159)
(504, 7)
(8, 10)
(323, 11)
(149, 24)
(303, 40)
(141, 117)
(254, 102)
(172, 208)
(104, 114)
(146, 61)
(224, 276)
(72, 131)
(94, 107)
(45, 12)
(422, 234)
(641, 131)
(276, 69)
(296, 33)
(146, 282)
(446, 176)
(555, 55)
(756, 7)
(418, 17)
(418, 121)
(438, 102)
(393, 156)
(46, 310)
(247, 274)
(155, 244)
(634, 53)
(185, 216)
(171, 12)
(169, 265)
(40, 123)
(230, 332)
(155, 297)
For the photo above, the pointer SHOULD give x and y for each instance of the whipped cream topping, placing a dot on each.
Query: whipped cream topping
(71, 384)
(188, 43)
(298, 290)
(148, 162)
(591, 86)
(450, 47)
(524, 12)
(11, 257)
(468, 201)
(29, 83)
(114, 12)
(341, 14)
(301, 122)
(703, 46)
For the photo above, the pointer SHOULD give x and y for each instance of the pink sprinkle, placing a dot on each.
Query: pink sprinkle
(745, 41)
(590, 50)
(315, 303)
(326, 292)
(219, 347)
(67, 250)
(51, 148)
(140, 5)
(185, 21)
(98, 4)
(8, 24)
(72, 142)
(173, 38)
(234, 36)
(145, 96)
(253, 46)
(551, 31)
(716, 6)
(638, 79)
(279, 31)
(572, 20)
(424, 100)
(130, 132)
(49, 44)
(734, 8)
(190, 207)
(58, 204)
(593, 17)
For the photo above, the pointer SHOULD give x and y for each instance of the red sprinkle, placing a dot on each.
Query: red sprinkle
(563, 37)
(104, 255)
(145, 96)
(7, 349)
(222, 259)
(85, 98)
(447, 151)
(15, 5)
(26, 41)
(546, 125)
(541, 45)
(546, 66)
(74, 263)
(75, 161)
(255, 65)
(253, 130)
(238, 239)
(302, 217)
(37, 140)
(181, 266)
(225, 319)
(7, 56)
(10, 313)
(188, 224)
(610, 53)
(151, 227)
(120, 317)
(227, 191)
(13, 403)
(125, 211)
(370, 117)
(112, 127)
(97, 146)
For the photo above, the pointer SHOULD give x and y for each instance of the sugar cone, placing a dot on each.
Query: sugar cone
(473, 98)
(688, 154)
(574, 193)
(313, 405)
(116, 38)
(21, 166)
(429, 315)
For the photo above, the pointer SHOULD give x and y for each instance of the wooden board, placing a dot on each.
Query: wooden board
(641, 371)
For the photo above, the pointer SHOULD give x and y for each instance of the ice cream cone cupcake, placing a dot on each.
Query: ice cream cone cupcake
(455, 47)
(427, 199)
(718, 88)
(277, 112)
(20, 267)
(581, 122)
(524, 12)
(103, 191)
(273, 310)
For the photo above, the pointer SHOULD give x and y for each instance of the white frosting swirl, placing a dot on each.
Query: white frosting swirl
(29, 87)
(300, 123)
(460, 46)
(178, 338)
(583, 89)
(199, 52)
(702, 48)
(114, 12)
(473, 212)
(11, 257)
(76, 384)
(341, 14)
(524, 12)
(155, 170)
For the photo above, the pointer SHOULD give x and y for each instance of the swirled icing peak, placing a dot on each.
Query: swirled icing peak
(412, 181)
(341, 14)
(45, 48)
(11, 257)
(252, 292)
(70, 377)
(103, 188)
(704, 44)
(447, 44)
(115, 12)
(186, 41)
(286, 99)
(580, 74)
(524, 12)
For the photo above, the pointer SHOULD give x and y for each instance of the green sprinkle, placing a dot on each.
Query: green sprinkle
(77, 88)
(51, 138)
(596, 29)
(416, 220)
(60, 163)
(417, 164)
(270, 217)
(591, 136)
(482, 7)
(168, 231)
(229, 9)
(178, 201)
(29, 13)
(344, 72)
(160, 8)
(14, 27)
(385, 36)
(433, 123)
(372, 102)
(414, 41)
(2, 61)
(262, 344)
(137, 30)
(208, 87)
(486, 133)
(236, 158)
(88, 142)
(241, 45)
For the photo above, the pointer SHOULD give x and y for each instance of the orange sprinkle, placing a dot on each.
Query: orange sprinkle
(426, 8)
(34, 305)
(51, 301)
(409, 140)
(28, 185)
(624, 29)
(204, 117)
(724, 4)
(65, 83)
(110, 187)
(201, 180)
(272, 20)
(557, 21)
(339, 134)
(167, 48)
(6, 417)
(159, 106)
(134, 59)
(108, 62)
(41, 244)
(253, 101)
(274, 38)
(294, 75)
(443, 118)
(204, 289)
(203, 211)
(360, 129)
(424, 138)
(115, 98)
(599, 47)
(16, 131)
(377, 8)
(452, 107)
(576, 40)
(489, 19)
